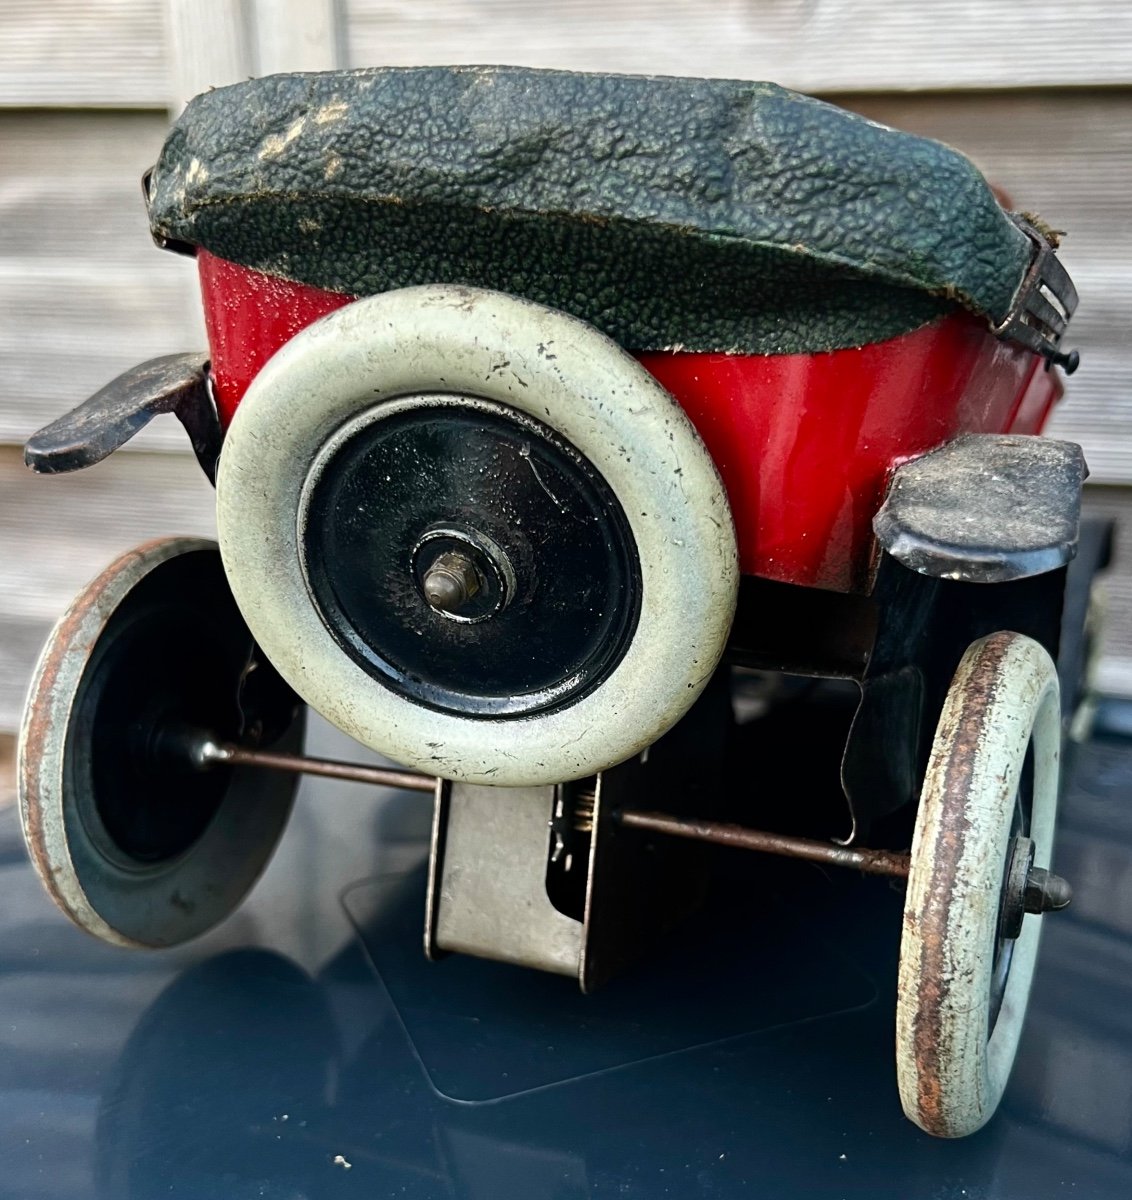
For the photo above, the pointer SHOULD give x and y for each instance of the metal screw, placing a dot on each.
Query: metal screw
(1046, 892)
(1067, 362)
(450, 582)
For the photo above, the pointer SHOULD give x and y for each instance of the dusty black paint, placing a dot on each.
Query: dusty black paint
(175, 654)
(986, 508)
(176, 383)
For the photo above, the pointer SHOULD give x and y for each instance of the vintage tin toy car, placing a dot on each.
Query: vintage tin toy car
(536, 403)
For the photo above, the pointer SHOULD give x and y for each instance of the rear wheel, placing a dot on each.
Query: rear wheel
(985, 825)
(477, 536)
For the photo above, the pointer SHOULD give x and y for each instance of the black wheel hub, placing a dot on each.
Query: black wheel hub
(175, 654)
(469, 557)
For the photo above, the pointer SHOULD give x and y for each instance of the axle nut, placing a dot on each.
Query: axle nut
(450, 582)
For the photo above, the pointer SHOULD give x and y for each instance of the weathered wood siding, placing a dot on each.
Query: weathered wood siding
(79, 53)
(83, 290)
(131, 53)
(813, 45)
(1039, 94)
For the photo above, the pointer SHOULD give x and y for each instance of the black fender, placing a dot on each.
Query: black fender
(176, 383)
(985, 508)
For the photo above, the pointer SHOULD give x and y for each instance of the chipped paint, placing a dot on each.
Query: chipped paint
(329, 113)
(102, 891)
(274, 144)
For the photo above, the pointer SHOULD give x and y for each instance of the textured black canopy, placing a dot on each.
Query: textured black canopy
(696, 213)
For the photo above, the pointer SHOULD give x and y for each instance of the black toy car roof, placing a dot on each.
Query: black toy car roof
(693, 213)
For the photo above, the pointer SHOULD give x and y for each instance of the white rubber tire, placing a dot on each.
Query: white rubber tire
(443, 339)
(951, 1068)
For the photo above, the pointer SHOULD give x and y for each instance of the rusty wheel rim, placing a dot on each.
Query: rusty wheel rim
(953, 1061)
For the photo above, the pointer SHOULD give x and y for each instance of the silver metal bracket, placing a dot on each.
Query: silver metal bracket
(499, 881)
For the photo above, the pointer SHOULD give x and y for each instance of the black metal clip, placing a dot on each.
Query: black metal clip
(1042, 305)
(159, 239)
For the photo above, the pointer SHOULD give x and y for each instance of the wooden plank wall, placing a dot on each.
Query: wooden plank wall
(84, 292)
(821, 46)
(1037, 93)
(68, 53)
(82, 53)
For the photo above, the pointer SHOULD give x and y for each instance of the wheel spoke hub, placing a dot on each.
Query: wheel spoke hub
(469, 557)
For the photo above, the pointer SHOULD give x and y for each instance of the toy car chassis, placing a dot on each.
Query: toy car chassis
(537, 404)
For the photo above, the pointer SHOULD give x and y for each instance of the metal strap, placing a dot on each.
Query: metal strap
(1043, 303)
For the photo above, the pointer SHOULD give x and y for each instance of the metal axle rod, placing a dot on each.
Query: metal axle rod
(208, 753)
(872, 862)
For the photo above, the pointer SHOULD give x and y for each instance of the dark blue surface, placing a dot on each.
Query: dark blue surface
(246, 1064)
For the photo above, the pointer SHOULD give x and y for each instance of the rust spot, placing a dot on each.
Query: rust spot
(934, 970)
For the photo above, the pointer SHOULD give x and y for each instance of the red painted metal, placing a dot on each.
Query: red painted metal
(805, 442)
(248, 316)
